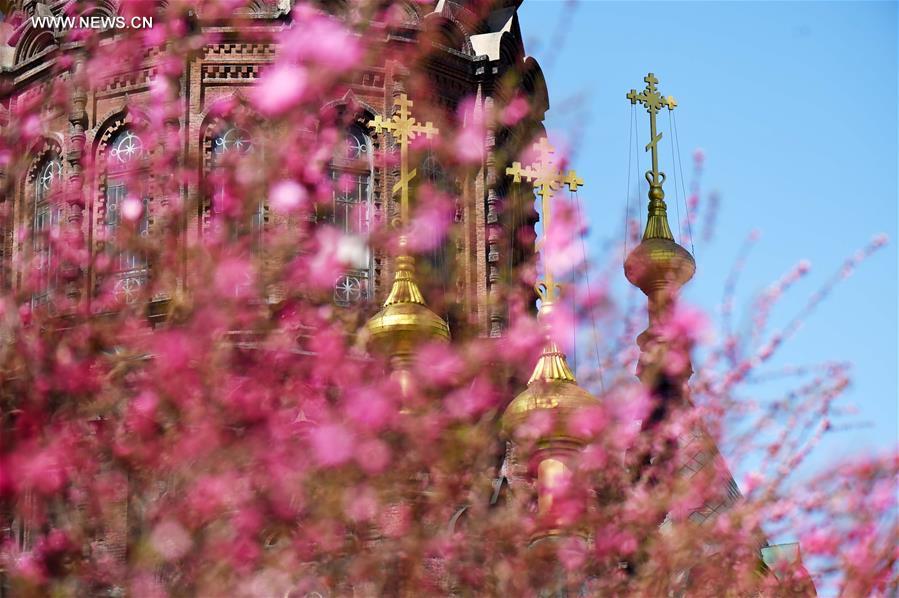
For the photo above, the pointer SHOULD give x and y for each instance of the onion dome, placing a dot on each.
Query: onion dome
(658, 263)
(405, 321)
(551, 389)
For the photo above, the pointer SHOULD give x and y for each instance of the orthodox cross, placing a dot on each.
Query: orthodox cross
(404, 128)
(653, 101)
(547, 179)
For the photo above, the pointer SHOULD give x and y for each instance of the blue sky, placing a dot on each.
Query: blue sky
(795, 106)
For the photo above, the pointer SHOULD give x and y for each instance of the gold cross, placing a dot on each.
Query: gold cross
(653, 101)
(547, 179)
(404, 128)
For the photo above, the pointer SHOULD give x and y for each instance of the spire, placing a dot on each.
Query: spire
(552, 388)
(658, 265)
(657, 222)
(405, 321)
(547, 179)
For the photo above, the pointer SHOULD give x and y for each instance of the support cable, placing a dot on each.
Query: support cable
(680, 224)
(638, 175)
(630, 171)
(599, 368)
(686, 206)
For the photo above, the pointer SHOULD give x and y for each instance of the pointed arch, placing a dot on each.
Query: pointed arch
(42, 212)
(353, 193)
(32, 43)
(122, 153)
(448, 32)
(229, 130)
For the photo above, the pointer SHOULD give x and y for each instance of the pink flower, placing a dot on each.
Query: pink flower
(429, 225)
(752, 481)
(170, 540)
(361, 504)
(332, 444)
(287, 196)
(324, 266)
(234, 277)
(572, 553)
(469, 144)
(589, 422)
(471, 401)
(514, 111)
(373, 456)
(880, 240)
(279, 89)
(440, 363)
(29, 568)
(320, 40)
(132, 208)
(370, 409)
(699, 156)
(686, 323)
(820, 541)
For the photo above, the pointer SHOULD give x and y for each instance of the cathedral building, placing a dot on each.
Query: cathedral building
(472, 53)
(472, 50)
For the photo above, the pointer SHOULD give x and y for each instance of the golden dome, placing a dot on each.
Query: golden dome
(405, 320)
(560, 398)
(552, 389)
(658, 262)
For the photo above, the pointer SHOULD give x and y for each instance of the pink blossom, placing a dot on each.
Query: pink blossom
(320, 40)
(370, 409)
(29, 568)
(429, 225)
(132, 208)
(880, 240)
(573, 553)
(373, 456)
(469, 146)
(361, 504)
(170, 540)
(471, 401)
(234, 277)
(279, 89)
(332, 444)
(325, 264)
(699, 156)
(514, 111)
(686, 323)
(440, 363)
(752, 481)
(287, 196)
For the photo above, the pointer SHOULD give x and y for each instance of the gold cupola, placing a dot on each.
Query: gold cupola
(405, 321)
(552, 389)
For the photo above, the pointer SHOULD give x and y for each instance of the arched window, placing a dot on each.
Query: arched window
(126, 177)
(352, 170)
(46, 217)
(228, 144)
